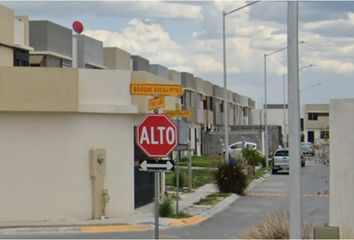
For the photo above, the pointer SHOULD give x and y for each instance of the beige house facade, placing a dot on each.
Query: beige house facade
(50, 119)
(316, 122)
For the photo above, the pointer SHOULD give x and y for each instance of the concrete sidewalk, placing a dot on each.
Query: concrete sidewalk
(141, 220)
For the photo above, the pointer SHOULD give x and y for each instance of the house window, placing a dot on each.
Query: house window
(313, 116)
(191, 99)
(211, 106)
(324, 134)
(221, 107)
(245, 112)
(205, 105)
(65, 63)
(21, 58)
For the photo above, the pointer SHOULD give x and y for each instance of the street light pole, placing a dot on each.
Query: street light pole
(266, 147)
(284, 113)
(226, 115)
(307, 66)
(226, 112)
(312, 86)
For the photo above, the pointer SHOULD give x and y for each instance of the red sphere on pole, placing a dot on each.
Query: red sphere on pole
(78, 27)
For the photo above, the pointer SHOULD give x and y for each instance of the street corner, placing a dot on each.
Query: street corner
(182, 222)
(114, 228)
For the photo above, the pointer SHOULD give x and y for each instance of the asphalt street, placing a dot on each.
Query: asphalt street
(266, 198)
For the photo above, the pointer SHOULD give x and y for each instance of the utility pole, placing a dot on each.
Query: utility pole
(294, 123)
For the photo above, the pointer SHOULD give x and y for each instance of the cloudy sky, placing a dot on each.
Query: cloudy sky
(187, 36)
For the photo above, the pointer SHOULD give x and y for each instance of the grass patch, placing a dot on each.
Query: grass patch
(181, 214)
(201, 161)
(213, 198)
(259, 173)
(200, 177)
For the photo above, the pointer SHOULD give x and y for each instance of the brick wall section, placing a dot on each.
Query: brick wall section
(212, 145)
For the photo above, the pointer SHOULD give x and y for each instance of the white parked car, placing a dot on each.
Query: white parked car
(281, 160)
(238, 146)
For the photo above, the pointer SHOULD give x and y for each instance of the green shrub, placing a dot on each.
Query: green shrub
(231, 179)
(253, 157)
(166, 208)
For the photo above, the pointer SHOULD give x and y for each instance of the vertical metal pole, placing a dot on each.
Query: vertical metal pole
(284, 113)
(265, 112)
(190, 186)
(157, 197)
(157, 204)
(177, 171)
(294, 123)
(226, 125)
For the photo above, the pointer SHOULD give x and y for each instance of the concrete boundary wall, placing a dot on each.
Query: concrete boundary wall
(212, 141)
(45, 165)
(341, 198)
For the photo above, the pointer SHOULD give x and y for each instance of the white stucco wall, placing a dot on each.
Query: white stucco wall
(19, 32)
(274, 116)
(108, 87)
(45, 165)
(341, 201)
(105, 91)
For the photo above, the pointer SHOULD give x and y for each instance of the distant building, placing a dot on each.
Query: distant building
(87, 52)
(52, 44)
(14, 41)
(316, 122)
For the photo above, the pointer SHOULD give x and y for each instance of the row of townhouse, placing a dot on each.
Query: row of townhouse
(52, 45)
(64, 99)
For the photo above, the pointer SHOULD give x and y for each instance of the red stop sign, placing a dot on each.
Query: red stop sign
(157, 135)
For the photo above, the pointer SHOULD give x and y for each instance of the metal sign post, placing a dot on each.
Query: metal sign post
(180, 147)
(156, 134)
(189, 167)
(177, 170)
(156, 166)
(157, 203)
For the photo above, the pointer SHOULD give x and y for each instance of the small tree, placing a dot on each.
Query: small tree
(252, 158)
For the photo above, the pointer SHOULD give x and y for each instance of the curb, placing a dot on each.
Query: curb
(165, 223)
(255, 182)
(26, 230)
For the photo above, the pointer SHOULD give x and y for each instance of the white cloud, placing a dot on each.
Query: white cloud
(143, 9)
(165, 9)
(335, 66)
(349, 49)
(137, 37)
(154, 43)
(222, 5)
